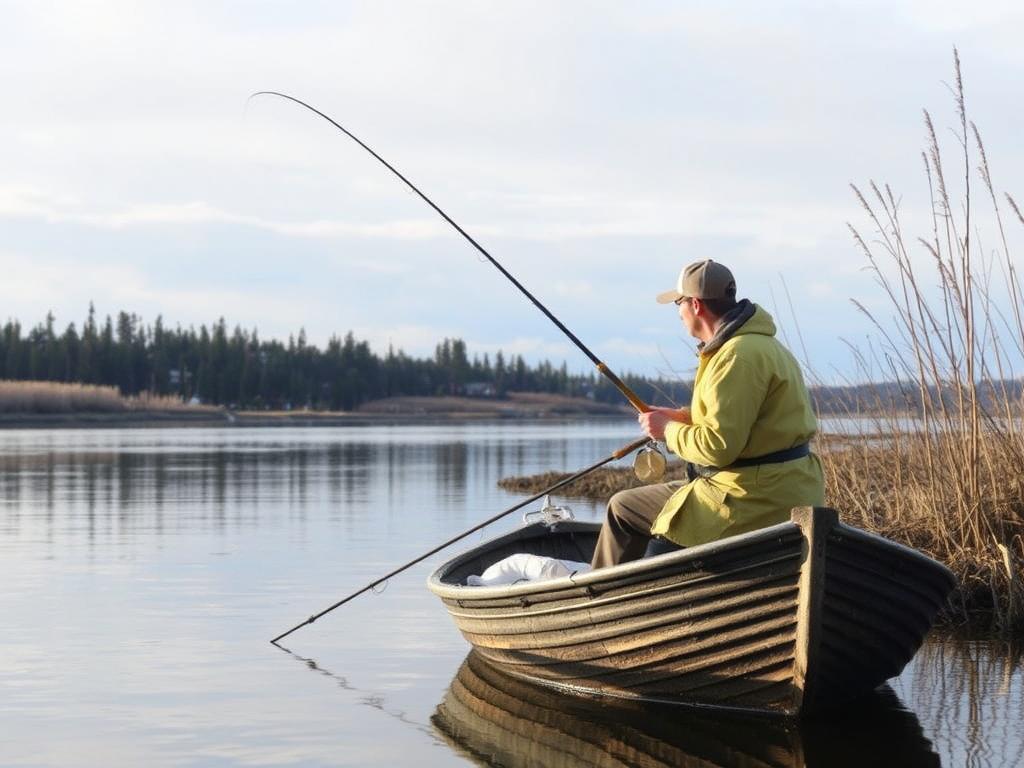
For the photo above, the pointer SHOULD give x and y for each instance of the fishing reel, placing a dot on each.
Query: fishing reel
(549, 514)
(649, 464)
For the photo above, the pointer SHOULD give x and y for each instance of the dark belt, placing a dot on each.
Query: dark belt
(693, 471)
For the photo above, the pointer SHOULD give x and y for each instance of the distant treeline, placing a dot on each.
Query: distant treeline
(889, 396)
(238, 369)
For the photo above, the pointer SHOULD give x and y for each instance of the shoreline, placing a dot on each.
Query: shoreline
(391, 411)
(381, 416)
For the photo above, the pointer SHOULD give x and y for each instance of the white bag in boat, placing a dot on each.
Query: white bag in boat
(526, 567)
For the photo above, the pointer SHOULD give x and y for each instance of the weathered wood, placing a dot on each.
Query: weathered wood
(816, 523)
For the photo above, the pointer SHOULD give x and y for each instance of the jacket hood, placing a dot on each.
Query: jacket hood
(760, 322)
(745, 318)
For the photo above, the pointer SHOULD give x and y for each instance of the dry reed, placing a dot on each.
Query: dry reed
(58, 397)
(52, 397)
(946, 480)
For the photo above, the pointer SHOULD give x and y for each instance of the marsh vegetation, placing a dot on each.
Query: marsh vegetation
(53, 397)
(952, 334)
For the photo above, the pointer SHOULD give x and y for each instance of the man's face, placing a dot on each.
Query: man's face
(687, 315)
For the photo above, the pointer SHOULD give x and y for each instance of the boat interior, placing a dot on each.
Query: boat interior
(566, 541)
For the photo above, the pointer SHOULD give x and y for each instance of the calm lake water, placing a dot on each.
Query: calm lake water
(144, 572)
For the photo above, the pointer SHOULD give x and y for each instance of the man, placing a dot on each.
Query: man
(745, 435)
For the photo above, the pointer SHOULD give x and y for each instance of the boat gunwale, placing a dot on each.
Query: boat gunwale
(664, 562)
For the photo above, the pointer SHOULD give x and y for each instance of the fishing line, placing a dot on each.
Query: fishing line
(629, 394)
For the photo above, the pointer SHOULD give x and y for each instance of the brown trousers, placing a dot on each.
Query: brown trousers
(627, 524)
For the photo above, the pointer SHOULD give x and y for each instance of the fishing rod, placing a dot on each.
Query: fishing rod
(624, 451)
(629, 394)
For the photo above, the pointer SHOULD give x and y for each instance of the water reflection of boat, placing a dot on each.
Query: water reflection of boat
(798, 617)
(500, 720)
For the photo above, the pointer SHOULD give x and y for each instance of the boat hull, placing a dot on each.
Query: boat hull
(786, 620)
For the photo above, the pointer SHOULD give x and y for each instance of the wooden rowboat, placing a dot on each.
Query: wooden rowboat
(787, 620)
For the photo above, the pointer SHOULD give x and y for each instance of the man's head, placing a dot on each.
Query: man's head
(704, 292)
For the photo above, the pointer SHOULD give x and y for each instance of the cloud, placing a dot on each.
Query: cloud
(67, 286)
(770, 226)
(594, 148)
(18, 202)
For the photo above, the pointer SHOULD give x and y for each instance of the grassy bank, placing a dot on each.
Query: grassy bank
(27, 404)
(515, 404)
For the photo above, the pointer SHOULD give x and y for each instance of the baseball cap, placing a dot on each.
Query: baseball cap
(702, 280)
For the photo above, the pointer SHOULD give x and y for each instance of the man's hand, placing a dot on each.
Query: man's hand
(653, 422)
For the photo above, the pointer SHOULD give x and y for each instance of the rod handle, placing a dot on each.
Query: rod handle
(628, 449)
(632, 396)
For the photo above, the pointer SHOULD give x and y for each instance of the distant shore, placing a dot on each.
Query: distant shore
(404, 410)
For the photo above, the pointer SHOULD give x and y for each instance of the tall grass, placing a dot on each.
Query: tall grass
(951, 485)
(50, 397)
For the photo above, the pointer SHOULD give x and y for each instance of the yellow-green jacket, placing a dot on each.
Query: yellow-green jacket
(749, 400)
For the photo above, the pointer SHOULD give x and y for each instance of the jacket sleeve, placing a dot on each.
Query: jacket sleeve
(732, 393)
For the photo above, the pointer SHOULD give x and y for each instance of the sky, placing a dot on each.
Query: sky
(593, 148)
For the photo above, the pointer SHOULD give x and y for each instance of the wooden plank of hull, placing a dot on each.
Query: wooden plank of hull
(611, 600)
(879, 603)
(717, 673)
(678, 619)
(518, 619)
(688, 650)
(888, 569)
(786, 619)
